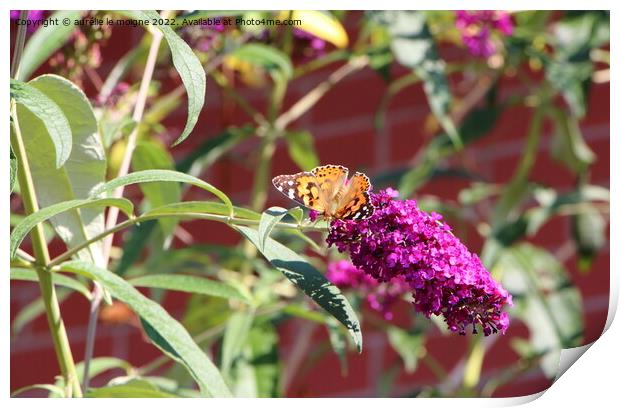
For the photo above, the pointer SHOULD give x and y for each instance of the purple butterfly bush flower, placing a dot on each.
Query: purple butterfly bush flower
(33, 15)
(476, 28)
(400, 241)
(380, 296)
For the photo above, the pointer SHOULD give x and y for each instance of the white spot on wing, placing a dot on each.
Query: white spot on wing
(291, 193)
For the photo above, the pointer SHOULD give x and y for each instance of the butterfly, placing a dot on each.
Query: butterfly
(326, 190)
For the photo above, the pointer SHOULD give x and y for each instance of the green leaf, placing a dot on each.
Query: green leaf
(49, 113)
(85, 168)
(268, 57)
(256, 370)
(570, 69)
(27, 224)
(410, 346)
(58, 279)
(48, 387)
(98, 365)
(190, 284)
(552, 203)
(297, 213)
(167, 334)
(588, 230)
(309, 280)
(236, 333)
(33, 310)
(46, 41)
(190, 70)
(127, 391)
(568, 145)
(301, 312)
(475, 125)
(150, 176)
(414, 47)
(202, 207)
(263, 345)
(301, 149)
(13, 171)
(268, 221)
(477, 192)
(338, 342)
(48, 230)
(544, 300)
(149, 155)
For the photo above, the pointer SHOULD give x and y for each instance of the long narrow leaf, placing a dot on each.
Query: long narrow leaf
(236, 333)
(202, 207)
(167, 333)
(308, 279)
(268, 220)
(23, 228)
(49, 113)
(62, 280)
(190, 284)
(189, 68)
(149, 176)
(85, 168)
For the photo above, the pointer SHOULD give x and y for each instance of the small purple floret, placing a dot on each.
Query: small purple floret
(476, 28)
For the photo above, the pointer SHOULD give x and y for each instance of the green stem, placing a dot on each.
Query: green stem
(50, 300)
(511, 196)
(263, 170)
(206, 335)
(318, 63)
(188, 215)
(18, 49)
(58, 332)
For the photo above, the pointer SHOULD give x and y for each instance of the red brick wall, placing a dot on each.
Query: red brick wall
(342, 124)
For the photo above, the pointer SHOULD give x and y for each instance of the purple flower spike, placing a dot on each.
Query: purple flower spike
(379, 296)
(400, 241)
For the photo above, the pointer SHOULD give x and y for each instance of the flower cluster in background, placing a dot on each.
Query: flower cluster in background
(380, 296)
(476, 28)
(314, 46)
(400, 241)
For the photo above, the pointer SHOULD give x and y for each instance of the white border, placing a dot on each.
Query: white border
(592, 381)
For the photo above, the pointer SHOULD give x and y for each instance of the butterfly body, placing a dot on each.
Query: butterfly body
(328, 191)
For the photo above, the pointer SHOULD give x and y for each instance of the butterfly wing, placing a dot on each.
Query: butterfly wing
(317, 189)
(330, 179)
(302, 188)
(354, 201)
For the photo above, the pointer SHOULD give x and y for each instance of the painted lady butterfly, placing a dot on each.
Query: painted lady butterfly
(326, 190)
